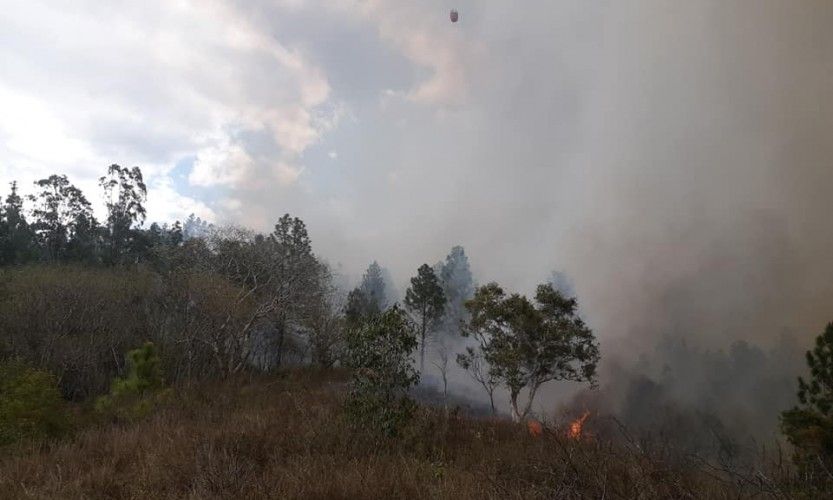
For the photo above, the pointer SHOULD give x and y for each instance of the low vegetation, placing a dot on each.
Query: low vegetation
(287, 436)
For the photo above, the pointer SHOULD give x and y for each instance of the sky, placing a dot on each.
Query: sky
(673, 158)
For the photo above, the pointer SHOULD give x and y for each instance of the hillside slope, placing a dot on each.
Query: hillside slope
(284, 437)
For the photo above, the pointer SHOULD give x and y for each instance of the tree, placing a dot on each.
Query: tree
(561, 282)
(359, 308)
(194, 227)
(373, 286)
(367, 300)
(458, 286)
(425, 300)
(441, 363)
(809, 426)
(379, 355)
(16, 237)
(278, 273)
(299, 277)
(527, 345)
(473, 362)
(326, 323)
(61, 214)
(124, 196)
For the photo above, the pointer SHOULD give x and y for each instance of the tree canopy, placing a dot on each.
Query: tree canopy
(528, 344)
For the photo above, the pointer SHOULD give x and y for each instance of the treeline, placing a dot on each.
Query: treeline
(59, 225)
(77, 294)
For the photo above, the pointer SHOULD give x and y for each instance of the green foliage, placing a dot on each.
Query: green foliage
(30, 404)
(809, 426)
(425, 300)
(124, 196)
(367, 300)
(526, 345)
(136, 395)
(62, 217)
(359, 308)
(17, 241)
(379, 354)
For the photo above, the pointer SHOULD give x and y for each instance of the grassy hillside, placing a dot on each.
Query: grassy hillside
(285, 437)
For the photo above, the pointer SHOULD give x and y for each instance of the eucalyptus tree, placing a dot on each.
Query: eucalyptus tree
(125, 194)
(61, 214)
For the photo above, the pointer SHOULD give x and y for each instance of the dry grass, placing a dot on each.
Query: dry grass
(285, 437)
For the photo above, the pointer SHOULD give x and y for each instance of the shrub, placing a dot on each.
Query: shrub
(379, 354)
(136, 395)
(31, 405)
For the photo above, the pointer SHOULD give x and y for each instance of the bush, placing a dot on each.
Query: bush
(31, 406)
(379, 353)
(71, 321)
(136, 395)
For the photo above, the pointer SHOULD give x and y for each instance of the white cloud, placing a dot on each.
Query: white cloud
(168, 205)
(223, 164)
(149, 84)
(287, 174)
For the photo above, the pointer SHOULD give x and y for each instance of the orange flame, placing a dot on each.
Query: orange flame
(575, 431)
(535, 428)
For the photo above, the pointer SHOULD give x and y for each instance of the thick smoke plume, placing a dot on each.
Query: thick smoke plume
(675, 159)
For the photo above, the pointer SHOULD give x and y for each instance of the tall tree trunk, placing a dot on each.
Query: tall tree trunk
(281, 334)
(513, 398)
(422, 344)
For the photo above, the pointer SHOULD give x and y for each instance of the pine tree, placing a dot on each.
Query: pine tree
(373, 286)
(458, 287)
(16, 237)
(809, 426)
(425, 300)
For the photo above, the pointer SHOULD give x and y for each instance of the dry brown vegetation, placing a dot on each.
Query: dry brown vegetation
(285, 437)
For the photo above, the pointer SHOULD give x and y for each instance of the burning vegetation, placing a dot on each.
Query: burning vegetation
(576, 428)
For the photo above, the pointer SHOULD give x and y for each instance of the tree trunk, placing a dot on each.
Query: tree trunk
(281, 334)
(422, 345)
(513, 398)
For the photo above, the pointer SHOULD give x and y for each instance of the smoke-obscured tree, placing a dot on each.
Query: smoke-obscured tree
(61, 213)
(359, 308)
(809, 426)
(440, 362)
(195, 227)
(528, 344)
(373, 286)
(368, 299)
(458, 286)
(379, 355)
(326, 325)
(473, 362)
(124, 196)
(425, 300)
(561, 282)
(17, 243)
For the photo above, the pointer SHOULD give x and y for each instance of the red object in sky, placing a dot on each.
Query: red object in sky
(455, 16)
